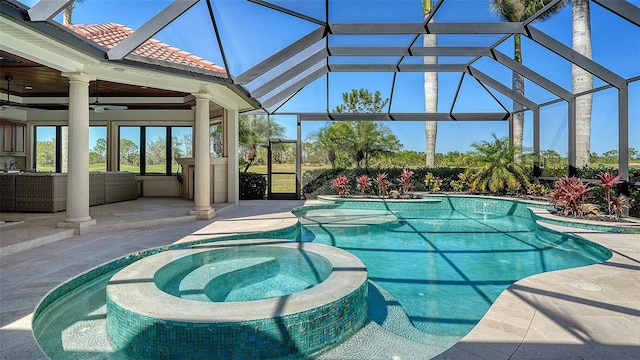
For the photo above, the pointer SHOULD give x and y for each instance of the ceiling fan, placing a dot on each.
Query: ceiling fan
(6, 105)
(98, 107)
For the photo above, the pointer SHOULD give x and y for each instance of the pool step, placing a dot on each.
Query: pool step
(219, 278)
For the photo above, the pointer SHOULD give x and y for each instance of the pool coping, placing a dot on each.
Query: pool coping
(348, 275)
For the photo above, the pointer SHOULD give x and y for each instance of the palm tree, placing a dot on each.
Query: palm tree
(430, 89)
(496, 170)
(68, 12)
(364, 140)
(582, 80)
(255, 131)
(517, 11)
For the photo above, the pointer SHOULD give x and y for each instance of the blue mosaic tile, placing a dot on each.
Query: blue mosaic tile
(621, 229)
(290, 336)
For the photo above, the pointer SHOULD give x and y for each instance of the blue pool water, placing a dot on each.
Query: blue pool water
(242, 274)
(446, 267)
(443, 262)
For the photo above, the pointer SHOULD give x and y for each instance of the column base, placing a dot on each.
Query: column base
(80, 227)
(205, 214)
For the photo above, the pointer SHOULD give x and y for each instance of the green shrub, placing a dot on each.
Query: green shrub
(317, 182)
(252, 186)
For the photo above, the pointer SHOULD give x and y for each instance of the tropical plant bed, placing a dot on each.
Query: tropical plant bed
(599, 218)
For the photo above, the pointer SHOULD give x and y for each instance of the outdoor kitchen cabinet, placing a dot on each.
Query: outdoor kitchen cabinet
(13, 137)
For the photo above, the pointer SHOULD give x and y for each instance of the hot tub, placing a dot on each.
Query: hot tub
(242, 273)
(172, 305)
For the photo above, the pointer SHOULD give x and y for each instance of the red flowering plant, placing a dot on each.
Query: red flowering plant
(615, 204)
(363, 183)
(405, 181)
(383, 184)
(570, 195)
(341, 185)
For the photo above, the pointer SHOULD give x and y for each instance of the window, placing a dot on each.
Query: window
(155, 150)
(159, 143)
(215, 139)
(46, 148)
(97, 148)
(141, 149)
(128, 149)
(181, 145)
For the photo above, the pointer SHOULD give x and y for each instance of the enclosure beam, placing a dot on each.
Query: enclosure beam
(295, 87)
(291, 73)
(575, 57)
(298, 158)
(532, 75)
(150, 28)
(45, 10)
(288, 12)
(571, 130)
(404, 117)
(501, 88)
(623, 133)
(431, 28)
(281, 56)
(476, 28)
(405, 51)
(623, 9)
(537, 170)
(394, 68)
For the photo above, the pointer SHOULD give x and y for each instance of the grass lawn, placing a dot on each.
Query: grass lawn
(283, 183)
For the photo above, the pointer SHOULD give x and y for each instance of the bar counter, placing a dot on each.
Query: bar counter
(47, 192)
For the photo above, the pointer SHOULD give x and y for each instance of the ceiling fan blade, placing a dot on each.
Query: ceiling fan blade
(115, 107)
(98, 107)
(103, 107)
(17, 107)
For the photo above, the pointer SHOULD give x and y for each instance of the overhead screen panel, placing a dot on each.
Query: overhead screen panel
(341, 83)
(466, 11)
(252, 31)
(106, 11)
(205, 46)
(261, 33)
(472, 97)
(355, 11)
(311, 8)
(313, 98)
(541, 60)
(504, 75)
(605, 26)
(290, 67)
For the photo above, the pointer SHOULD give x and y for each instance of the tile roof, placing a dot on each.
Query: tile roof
(111, 34)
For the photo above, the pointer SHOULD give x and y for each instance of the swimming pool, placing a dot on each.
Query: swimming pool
(445, 260)
(442, 261)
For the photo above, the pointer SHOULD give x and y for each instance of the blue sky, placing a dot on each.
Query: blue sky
(250, 33)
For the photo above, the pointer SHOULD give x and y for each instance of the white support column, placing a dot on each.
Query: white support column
(233, 172)
(202, 170)
(78, 155)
